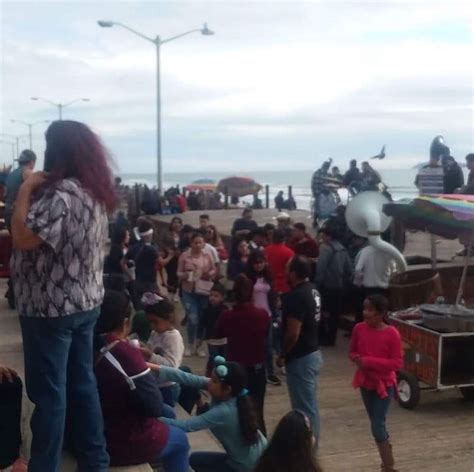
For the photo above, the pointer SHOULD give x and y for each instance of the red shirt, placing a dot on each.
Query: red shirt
(278, 256)
(381, 354)
(246, 328)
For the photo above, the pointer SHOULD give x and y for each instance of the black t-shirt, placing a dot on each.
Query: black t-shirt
(145, 257)
(304, 304)
(243, 224)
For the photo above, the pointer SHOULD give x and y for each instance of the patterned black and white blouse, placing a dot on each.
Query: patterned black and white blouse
(63, 275)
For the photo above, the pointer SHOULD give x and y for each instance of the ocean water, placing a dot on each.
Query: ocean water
(400, 182)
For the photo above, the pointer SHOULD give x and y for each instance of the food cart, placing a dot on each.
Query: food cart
(438, 360)
(437, 339)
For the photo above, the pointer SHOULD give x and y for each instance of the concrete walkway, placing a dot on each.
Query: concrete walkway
(437, 437)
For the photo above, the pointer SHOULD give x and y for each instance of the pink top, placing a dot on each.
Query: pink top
(381, 354)
(260, 294)
(199, 266)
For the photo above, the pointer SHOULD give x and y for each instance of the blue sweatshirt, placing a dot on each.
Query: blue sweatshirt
(223, 421)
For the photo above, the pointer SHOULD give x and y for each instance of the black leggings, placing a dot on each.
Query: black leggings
(257, 386)
(10, 417)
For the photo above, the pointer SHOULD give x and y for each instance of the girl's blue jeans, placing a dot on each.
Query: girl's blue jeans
(377, 409)
(175, 455)
(194, 305)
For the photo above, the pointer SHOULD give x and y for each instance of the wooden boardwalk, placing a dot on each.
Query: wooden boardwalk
(436, 437)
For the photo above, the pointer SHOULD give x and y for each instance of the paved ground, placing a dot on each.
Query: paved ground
(437, 437)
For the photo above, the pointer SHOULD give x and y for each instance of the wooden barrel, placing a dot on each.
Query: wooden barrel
(413, 288)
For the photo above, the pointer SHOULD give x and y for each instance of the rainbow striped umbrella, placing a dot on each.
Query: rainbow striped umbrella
(450, 216)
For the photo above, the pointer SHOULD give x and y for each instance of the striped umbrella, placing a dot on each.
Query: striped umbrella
(450, 216)
(202, 184)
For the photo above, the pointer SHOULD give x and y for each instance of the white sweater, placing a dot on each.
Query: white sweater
(170, 348)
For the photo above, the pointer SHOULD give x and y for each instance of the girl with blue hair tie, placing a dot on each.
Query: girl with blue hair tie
(231, 418)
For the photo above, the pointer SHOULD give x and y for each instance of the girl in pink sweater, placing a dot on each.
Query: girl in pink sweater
(377, 352)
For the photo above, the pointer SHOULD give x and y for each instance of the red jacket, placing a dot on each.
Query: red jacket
(246, 329)
(278, 256)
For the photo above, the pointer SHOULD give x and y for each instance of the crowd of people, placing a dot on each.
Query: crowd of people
(105, 370)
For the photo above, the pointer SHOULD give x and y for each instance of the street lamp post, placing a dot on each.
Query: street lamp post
(17, 140)
(30, 128)
(158, 42)
(60, 106)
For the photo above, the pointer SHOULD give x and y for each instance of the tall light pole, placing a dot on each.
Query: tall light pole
(30, 128)
(60, 106)
(158, 42)
(17, 140)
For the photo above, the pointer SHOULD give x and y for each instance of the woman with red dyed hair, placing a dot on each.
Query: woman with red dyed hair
(59, 230)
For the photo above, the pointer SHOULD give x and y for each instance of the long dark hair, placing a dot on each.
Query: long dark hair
(236, 379)
(291, 446)
(258, 256)
(73, 151)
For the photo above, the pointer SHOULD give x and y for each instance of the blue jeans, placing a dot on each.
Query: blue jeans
(59, 373)
(175, 455)
(168, 412)
(209, 462)
(377, 409)
(170, 394)
(194, 305)
(302, 377)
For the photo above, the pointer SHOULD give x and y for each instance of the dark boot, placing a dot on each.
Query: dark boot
(385, 451)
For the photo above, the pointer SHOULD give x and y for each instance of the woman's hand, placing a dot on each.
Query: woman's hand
(153, 367)
(358, 362)
(7, 374)
(35, 180)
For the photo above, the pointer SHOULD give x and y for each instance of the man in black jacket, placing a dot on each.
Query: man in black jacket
(453, 174)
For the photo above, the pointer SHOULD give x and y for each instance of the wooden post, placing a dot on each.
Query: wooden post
(137, 201)
(290, 191)
(226, 198)
(267, 196)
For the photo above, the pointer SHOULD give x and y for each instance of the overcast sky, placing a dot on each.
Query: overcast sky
(281, 85)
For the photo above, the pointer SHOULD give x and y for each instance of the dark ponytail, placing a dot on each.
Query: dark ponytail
(380, 303)
(236, 379)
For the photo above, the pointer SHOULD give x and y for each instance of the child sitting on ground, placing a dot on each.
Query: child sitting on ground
(231, 418)
(216, 346)
(165, 345)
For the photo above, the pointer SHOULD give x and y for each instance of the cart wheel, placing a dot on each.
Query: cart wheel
(408, 390)
(467, 393)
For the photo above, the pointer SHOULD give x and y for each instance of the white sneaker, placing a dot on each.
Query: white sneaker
(201, 353)
(188, 352)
